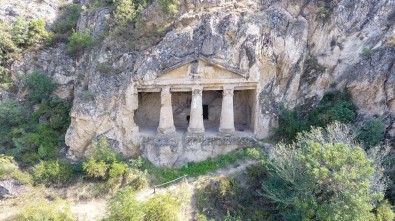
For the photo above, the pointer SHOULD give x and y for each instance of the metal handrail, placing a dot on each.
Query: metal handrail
(171, 181)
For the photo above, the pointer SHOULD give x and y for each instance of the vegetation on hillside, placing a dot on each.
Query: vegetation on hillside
(34, 130)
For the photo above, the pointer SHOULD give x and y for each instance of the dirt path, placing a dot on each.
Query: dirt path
(90, 210)
(233, 169)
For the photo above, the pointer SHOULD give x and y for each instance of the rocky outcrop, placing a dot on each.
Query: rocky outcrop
(297, 49)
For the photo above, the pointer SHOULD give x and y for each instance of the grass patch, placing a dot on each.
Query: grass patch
(192, 169)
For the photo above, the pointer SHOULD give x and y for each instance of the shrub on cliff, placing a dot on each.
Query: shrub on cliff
(324, 175)
(40, 87)
(334, 106)
(79, 41)
(29, 33)
(66, 22)
(372, 132)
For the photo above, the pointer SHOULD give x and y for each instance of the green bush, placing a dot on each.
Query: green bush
(40, 135)
(124, 206)
(95, 169)
(169, 6)
(79, 41)
(160, 207)
(137, 179)
(233, 198)
(334, 107)
(366, 52)
(384, 212)
(289, 124)
(324, 175)
(42, 210)
(52, 173)
(125, 11)
(11, 113)
(9, 169)
(372, 133)
(40, 87)
(105, 164)
(65, 24)
(29, 33)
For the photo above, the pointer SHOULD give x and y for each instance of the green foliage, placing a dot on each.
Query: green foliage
(29, 33)
(366, 52)
(169, 6)
(40, 87)
(106, 164)
(193, 169)
(88, 95)
(52, 173)
(232, 198)
(335, 106)
(42, 210)
(8, 50)
(65, 24)
(323, 175)
(161, 207)
(124, 206)
(372, 133)
(11, 113)
(34, 137)
(79, 41)
(253, 153)
(125, 11)
(9, 169)
(384, 212)
(289, 124)
(14, 39)
(95, 169)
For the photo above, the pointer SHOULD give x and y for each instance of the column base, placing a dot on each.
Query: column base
(169, 130)
(195, 130)
(226, 132)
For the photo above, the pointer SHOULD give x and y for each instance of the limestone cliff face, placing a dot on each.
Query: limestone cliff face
(297, 49)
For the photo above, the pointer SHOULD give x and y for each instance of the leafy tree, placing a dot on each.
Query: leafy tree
(372, 133)
(324, 175)
(40, 87)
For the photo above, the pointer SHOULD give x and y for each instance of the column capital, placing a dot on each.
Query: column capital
(197, 90)
(228, 90)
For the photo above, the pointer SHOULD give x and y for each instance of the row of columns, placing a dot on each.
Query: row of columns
(196, 125)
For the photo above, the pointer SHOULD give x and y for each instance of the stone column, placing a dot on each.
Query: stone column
(227, 125)
(196, 125)
(166, 122)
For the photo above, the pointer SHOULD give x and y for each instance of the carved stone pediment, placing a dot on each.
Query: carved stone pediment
(200, 69)
(208, 74)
